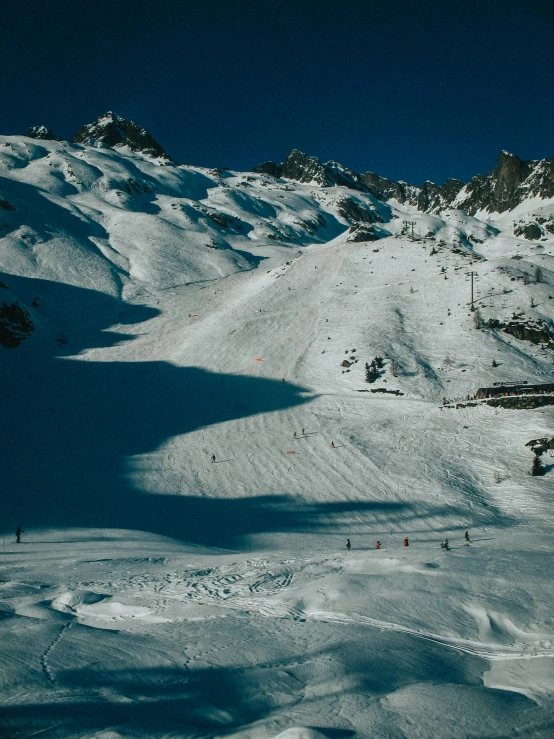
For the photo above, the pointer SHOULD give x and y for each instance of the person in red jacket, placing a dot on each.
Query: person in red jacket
(378, 545)
(406, 542)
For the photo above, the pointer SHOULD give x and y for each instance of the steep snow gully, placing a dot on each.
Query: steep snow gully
(189, 437)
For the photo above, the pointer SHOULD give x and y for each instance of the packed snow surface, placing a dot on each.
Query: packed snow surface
(188, 452)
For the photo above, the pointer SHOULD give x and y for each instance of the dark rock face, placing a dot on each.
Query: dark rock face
(113, 131)
(384, 189)
(303, 168)
(537, 332)
(511, 182)
(41, 132)
(270, 168)
(15, 325)
(363, 232)
(530, 231)
(355, 212)
(498, 191)
(510, 172)
(433, 198)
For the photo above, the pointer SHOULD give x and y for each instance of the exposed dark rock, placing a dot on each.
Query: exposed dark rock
(535, 332)
(356, 212)
(384, 390)
(364, 232)
(270, 168)
(113, 131)
(43, 133)
(432, 198)
(217, 217)
(385, 189)
(5, 205)
(503, 188)
(303, 168)
(132, 186)
(511, 182)
(15, 325)
(531, 231)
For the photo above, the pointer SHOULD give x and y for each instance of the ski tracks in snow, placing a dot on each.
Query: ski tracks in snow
(489, 651)
(249, 588)
(257, 586)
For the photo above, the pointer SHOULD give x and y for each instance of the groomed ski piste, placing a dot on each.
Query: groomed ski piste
(181, 313)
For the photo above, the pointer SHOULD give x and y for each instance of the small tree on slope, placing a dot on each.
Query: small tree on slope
(538, 467)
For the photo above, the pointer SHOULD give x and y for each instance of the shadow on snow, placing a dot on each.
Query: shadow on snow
(69, 426)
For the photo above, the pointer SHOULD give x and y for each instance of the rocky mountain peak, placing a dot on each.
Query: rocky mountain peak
(511, 182)
(114, 131)
(41, 132)
(304, 168)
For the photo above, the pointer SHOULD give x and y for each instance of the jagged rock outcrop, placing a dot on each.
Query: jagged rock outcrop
(15, 325)
(537, 332)
(303, 168)
(511, 182)
(433, 198)
(530, 231)
(356, 212)
(41, 132)
(365, 232)
(385, 189)
(498, 190)
(113, 131)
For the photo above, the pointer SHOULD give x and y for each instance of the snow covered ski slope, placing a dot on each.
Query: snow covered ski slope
(170, 314)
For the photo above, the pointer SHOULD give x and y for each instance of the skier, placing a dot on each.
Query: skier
(18, 533)
(378, 545)
(302, 432)
(406, 542)
(348, 545)
(444, 544)
(333, 445)
(466, 536)
(294, 435)
(213, 458)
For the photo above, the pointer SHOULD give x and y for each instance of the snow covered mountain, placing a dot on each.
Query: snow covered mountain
(42, 133)
(116, 132)
(509, 184)
(211, 379)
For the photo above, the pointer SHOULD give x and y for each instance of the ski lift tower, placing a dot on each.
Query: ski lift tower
(472, 275)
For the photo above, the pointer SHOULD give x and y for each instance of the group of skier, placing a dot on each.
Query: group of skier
(406, 542)
(444, 544)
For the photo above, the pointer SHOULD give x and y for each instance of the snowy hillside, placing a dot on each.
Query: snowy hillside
(320, 342)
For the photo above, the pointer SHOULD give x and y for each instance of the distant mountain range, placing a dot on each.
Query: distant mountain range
(510, 183)
(506, 186)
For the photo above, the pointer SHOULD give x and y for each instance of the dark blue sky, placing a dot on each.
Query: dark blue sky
(410, 89)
